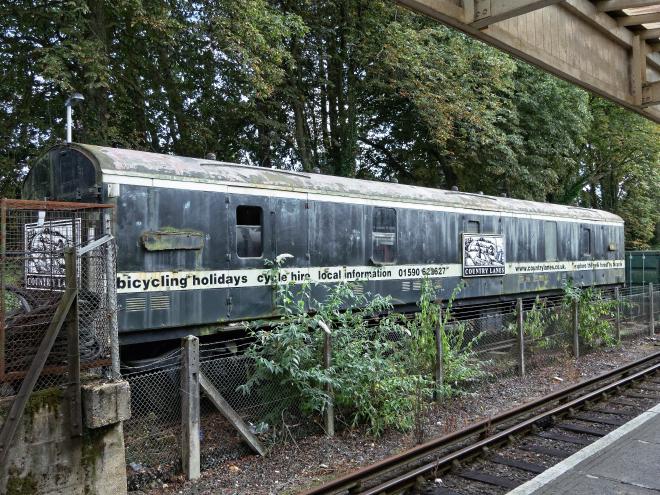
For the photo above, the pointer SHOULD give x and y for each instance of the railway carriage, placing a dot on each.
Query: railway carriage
(193, 236)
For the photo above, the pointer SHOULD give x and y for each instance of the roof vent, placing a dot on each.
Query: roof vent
(394, 180)
(210, 156)
(481, 193)
(454, 188)
(316, 170)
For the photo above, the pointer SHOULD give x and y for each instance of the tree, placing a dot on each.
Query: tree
(358, 88)
(620, 170)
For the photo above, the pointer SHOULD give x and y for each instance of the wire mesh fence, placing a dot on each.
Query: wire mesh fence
(153, 434)
(34, 236)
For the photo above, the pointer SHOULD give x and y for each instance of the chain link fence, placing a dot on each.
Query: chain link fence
(33, 280)
(153, 434)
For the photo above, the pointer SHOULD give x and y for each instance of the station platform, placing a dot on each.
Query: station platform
(626, 461)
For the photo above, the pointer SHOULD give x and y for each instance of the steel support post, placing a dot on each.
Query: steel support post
(651, 316)
(112, 297)
(190, 447)
(439, 350)
(617, 314)
(576, 331)
(521, 338)
(330, 409)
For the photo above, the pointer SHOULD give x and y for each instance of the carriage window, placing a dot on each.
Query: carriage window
(550, 230)
(249, 229)
(471, 227)
(384, 235)
(585, 241)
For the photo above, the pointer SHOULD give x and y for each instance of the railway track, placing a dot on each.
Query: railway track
(496, 455)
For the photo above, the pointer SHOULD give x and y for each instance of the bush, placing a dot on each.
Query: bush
(382, 363)
(368, 374)
(595, 313)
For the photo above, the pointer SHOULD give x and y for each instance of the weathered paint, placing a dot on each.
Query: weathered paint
(321, 221)
(167, 240)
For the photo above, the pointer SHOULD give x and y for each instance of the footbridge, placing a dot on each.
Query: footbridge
(609, 47)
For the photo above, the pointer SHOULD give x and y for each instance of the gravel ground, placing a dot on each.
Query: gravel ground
(295, 465)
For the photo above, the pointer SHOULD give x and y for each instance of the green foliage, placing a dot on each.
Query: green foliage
(365, 89)
(619, 170)
(382, 364)
(537, 322)
(458, 361)
(367, 374)
(595, 313)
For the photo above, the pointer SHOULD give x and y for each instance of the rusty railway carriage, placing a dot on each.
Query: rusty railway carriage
(193, 236)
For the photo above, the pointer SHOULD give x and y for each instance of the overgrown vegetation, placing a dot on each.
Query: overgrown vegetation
(539, 325)
(595, 314)
(382, 370)
(382, 362)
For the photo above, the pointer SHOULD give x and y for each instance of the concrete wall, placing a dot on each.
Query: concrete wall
(44, 458)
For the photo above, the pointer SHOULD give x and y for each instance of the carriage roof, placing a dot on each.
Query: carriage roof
(116, 161)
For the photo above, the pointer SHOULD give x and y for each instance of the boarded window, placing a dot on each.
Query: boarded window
(585, 241)
(550, 230)
(249, 231)
(472, 227)
(384, 235)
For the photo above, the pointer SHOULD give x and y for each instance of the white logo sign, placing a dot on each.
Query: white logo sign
(44, 245)
(483, 255)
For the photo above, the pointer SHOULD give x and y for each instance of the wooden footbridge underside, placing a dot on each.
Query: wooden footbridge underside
(610, 47)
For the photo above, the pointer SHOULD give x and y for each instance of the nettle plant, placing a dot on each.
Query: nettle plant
(382, 363)
(368, 375)
(537, 321)
(595, 314)
(459, 364)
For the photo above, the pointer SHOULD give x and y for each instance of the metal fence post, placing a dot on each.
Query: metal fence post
(327, 363)
(651, 317)
(576, 331)
(521, 339)
(73, 344)
(439, 368)
(617, 314)
(190, 448)
(112, 297)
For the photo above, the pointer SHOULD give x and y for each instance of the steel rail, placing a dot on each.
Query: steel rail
(410, 477)
(358, 477)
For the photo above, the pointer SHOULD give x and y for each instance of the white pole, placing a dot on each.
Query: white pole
(69, 123)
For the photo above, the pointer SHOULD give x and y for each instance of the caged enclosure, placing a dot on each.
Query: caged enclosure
(34, 278)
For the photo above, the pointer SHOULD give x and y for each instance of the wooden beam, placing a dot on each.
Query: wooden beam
(610, 5)
(651, 94)
(190, 443)
(608, 76)
(228, 412)
(650, 34)
(441, 10)
(637, 69)
(493, 11)
(638, 20)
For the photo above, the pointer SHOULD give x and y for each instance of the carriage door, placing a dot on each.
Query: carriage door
(249, 234)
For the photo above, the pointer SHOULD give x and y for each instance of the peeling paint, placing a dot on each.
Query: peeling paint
(158, 166)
